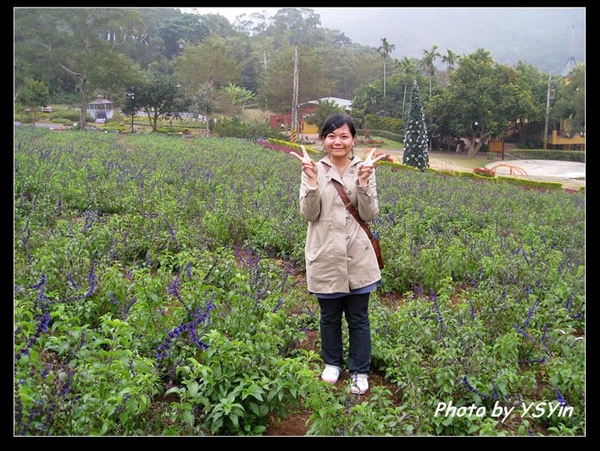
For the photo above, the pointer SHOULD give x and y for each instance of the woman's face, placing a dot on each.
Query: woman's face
(339, 142)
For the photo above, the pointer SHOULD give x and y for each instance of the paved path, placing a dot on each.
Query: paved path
(567, 172)
(541, 168)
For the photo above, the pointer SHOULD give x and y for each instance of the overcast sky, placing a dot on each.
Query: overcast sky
(232, 12)
(544, 35)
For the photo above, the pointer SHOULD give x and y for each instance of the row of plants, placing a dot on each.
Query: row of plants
(158, 292)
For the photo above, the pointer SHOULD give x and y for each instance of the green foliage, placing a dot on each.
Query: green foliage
(235, 128)
(168, 272)
(324, 109)
(384, 123)
(90, 51)
(33, 94)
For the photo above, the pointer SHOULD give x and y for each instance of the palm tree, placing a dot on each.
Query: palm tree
(365, 101)
(429, 58)
(385, 49)
(408, 67)
(450, 58)
(428, 61)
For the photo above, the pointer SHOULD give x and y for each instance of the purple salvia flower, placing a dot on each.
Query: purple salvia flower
(89, 221)
(544, 339)
(41, 283)
(81, 342)
(278, 306)
(472, 389)
(524, 255)
(418, 289)
(171, 231)
(530, 313)
(93, 280)
(436, 306)
(521, 331)
(569, 302)
(125, 311)
(41, 328)
(26, 234)
(560, 398)
(66, 383)
(71, 281)
(472, 309)
(164, 349)
(173, 289)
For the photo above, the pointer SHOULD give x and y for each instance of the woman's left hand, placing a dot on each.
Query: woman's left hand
(367, 167)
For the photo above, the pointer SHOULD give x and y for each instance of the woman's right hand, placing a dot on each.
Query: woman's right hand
(309, 167)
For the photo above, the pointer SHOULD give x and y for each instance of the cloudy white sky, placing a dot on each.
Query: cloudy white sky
(509, 33)
(232, 12)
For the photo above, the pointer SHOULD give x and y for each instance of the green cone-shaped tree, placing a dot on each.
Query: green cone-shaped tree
(415, 138)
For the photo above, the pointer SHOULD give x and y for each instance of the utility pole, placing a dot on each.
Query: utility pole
(294, 134)
(547, 111)
(266, 82)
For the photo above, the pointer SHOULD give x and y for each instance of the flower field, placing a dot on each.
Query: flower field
(158, 291)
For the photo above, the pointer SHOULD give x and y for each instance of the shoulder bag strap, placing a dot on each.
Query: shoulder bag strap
(349, 205)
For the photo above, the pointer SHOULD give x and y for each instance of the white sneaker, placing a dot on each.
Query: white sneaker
(330, 374)
(360, 384)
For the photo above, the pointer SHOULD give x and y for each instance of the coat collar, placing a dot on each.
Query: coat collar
(326, 161)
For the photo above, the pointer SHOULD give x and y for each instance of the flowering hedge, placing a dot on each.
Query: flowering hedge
(484, 172)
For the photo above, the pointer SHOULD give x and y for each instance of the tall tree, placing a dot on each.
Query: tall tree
(409, 69)
(278, 79)
(212, 61)
(450, 59)
(83, 42)
(429, 57)
(365, 101)
(203, 103)
(158, 96)
(484, 98)
(415, 139)
(238, 97)
(384, 50)
(33, 95)
(570, 100)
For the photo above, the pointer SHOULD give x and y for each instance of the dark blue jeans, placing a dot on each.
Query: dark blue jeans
(356, 311)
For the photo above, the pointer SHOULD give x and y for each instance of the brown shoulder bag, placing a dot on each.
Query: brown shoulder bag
(352, 209)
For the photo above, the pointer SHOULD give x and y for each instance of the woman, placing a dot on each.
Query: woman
(341, 266)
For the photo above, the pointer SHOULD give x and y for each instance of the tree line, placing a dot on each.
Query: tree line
(164, 60)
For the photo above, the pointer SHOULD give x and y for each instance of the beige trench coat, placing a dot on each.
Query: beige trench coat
(339, 255)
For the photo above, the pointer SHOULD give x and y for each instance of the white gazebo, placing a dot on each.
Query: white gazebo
(101, 109)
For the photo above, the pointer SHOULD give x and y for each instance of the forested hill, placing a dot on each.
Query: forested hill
(543, 36)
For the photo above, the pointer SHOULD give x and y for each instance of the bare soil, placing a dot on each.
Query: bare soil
(296, 423)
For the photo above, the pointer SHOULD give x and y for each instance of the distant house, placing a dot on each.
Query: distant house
(284, 121)
(342, 103)
(101, 109)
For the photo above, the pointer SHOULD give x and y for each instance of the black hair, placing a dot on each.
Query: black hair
(335, 121)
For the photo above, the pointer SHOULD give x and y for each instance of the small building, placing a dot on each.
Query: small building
(312, 104)
(101, 109)
(284, 121)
